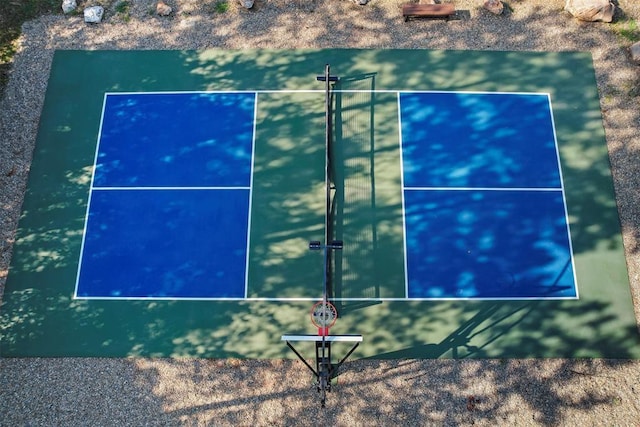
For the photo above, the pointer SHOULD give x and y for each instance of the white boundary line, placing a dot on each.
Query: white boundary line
(532, 189)
(404, 217)
(471, 92)
(564, 199)
(253, 158)
(168, 188)
(322, 91)
(86, 214)
(209, 92)
(308, 299)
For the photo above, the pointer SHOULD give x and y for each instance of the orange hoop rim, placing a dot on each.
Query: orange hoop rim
(323, 315)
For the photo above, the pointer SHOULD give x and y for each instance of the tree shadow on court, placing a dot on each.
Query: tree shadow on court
(580, 137)
(518, 329)
(594, 222)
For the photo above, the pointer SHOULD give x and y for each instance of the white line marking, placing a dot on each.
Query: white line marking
(306, 299)
(168, 188)
(564, 198)
(213, 92)
(86, 214)
(532, 189)
(253, 151)
(322, 91)
(404, 217)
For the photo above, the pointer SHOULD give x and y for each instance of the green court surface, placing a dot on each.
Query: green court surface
(40, 316)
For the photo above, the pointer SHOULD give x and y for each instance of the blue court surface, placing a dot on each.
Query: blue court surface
(484, 203)
(169, 205)
(169, 210)
(152, 140)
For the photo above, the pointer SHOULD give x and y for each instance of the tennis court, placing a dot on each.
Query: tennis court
(170, 214)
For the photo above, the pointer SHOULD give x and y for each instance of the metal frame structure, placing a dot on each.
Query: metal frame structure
(325, 370)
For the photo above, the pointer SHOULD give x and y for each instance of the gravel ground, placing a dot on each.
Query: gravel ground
(231, 392)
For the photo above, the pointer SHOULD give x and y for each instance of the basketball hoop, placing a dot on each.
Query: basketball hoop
(323, 316)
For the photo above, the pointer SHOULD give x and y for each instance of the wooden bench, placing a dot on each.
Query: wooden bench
(433, 11)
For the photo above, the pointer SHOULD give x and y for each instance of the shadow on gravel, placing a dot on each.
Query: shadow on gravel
(444, 392)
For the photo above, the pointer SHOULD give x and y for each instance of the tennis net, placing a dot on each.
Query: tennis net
(330, 187)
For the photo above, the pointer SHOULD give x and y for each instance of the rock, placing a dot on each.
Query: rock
(163, 9)
(69, 6)
(591, 10)
(247, 4)
(494, 6)
(93, 15)
(635, 52)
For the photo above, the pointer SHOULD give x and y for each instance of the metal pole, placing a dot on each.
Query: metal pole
(324, 370)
